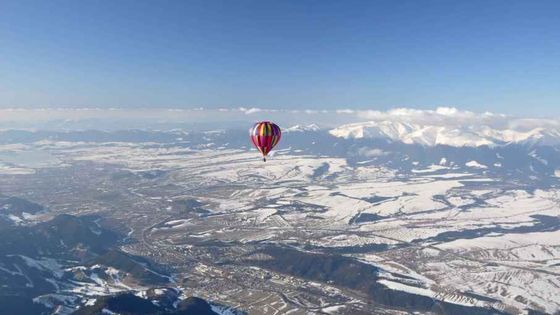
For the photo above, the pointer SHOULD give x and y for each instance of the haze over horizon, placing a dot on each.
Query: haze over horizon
(498, 56)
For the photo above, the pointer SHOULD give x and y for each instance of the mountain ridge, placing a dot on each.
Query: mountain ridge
(469, 135)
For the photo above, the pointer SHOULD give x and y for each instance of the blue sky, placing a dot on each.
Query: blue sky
(501, 56)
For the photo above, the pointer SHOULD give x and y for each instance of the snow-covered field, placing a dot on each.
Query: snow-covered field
(461, 240)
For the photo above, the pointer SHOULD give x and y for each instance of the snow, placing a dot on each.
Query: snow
(90, 302)
(173, 224)
(222, 310)
(52, 300)
(159, 291)
(430, 169)
(406, 128)
(334, 309)
(475, 164)
(286, 203)
(301, 128)
(14, 170)
(15, 219)
(403, 287)
(46, 264)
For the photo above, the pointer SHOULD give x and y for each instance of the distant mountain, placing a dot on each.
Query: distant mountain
(521, 152)
(456, 135)
(302, 128)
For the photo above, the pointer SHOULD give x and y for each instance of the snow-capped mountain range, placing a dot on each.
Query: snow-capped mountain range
(471, 135)
(428, 127)
(302, 128)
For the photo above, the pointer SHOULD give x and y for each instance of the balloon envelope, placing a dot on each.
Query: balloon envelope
(265, 135)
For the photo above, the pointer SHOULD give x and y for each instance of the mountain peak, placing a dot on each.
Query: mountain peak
(302, 128)
(467, 135)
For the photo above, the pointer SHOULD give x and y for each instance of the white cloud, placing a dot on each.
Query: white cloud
(441, 116)
(345, 111)
(253, 111)
(114, 118)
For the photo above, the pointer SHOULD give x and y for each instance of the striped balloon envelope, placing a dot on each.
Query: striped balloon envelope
(265, 135)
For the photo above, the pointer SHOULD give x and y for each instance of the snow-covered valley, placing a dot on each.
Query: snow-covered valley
(447, 232)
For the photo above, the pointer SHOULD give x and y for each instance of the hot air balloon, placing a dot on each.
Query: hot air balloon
(265, 135)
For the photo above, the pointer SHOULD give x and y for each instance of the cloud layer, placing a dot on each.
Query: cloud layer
(114, 118)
